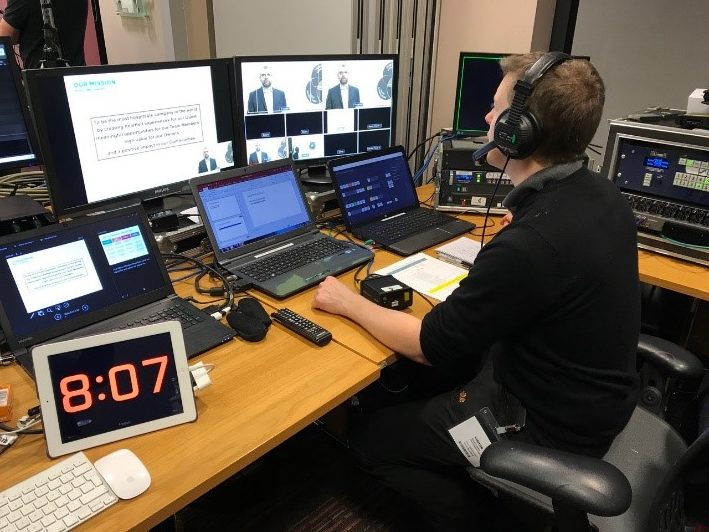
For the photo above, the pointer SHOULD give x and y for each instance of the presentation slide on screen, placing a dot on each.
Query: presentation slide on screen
(304, 85)
(52, 276)
(140, 130)
(123, 245)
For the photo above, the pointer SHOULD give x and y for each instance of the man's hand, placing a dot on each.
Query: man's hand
(334, 297)
(506, 219)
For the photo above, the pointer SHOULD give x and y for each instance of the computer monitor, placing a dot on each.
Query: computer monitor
(478, 77)
(17, 142)
(315, 108)
(113, 133)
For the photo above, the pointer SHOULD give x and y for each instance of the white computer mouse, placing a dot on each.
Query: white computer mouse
(124, 473)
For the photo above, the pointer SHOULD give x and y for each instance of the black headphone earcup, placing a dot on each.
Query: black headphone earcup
(520, 140)
(250, 329)
(254, 309)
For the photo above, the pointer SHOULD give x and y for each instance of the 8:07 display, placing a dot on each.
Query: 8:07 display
(123, 384)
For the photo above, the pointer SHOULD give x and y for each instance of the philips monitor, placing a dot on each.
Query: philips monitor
(17, 142)
(315, 108)
(114, 133)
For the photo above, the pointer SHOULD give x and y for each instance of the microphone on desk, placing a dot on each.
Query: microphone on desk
(484, 150)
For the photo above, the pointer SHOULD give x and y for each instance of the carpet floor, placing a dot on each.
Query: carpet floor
(307, 484)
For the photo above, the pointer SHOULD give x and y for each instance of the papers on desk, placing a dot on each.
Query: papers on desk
(431, 277)
(461, 251)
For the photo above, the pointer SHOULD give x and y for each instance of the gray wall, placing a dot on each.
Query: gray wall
(649, 52)
(280, 27)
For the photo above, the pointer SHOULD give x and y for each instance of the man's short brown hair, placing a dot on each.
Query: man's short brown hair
(567, 101)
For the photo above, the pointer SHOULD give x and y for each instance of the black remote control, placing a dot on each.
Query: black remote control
(302, 326)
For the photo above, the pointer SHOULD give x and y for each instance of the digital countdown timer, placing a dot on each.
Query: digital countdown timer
(107, 387)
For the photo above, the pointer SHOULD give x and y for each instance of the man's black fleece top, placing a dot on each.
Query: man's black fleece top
(554, 298)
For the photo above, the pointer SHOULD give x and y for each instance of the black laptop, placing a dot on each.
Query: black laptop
(94, 274)
(378, 201)
(262, 230)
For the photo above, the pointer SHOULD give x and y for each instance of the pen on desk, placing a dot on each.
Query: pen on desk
(453, 260)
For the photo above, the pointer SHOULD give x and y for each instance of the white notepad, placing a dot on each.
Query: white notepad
(461, 251)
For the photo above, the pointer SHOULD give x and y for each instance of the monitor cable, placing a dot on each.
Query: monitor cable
(228, 290)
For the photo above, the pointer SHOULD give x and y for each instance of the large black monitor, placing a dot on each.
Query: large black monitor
(314, 108)
(17, 143)
(478, 77)
(114, 133)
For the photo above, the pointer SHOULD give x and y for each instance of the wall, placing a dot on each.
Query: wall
(263, 27)
(136, 40)
(492, 26)
(648, 52)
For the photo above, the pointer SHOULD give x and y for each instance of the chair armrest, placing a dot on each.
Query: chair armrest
(669, 358)
(588, 484)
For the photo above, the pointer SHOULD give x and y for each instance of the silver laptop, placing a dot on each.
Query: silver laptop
(262, 230)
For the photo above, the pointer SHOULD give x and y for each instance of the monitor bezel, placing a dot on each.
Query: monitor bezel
(6, 42)
(33, 79)
(459, 90)
(240, 111)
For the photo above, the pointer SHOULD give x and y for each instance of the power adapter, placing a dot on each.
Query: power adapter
(387, 291)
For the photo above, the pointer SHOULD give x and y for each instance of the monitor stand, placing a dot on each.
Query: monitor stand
(164, 213)
(315, 175)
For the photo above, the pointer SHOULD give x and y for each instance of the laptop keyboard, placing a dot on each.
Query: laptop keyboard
(177, 312)
(287, 261)
(408, 224)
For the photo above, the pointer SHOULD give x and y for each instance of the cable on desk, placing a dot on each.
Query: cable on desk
(684, 244)
(229, 297)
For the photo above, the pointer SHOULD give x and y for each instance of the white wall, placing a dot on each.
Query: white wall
(492, 26)
(136, 40)
(649, 52)
(273, 27)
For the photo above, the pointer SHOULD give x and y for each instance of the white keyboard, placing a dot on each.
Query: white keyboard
(59, 498)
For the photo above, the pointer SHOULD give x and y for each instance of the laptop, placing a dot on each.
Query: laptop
(94, 274)
(262, 230)
(378, 201)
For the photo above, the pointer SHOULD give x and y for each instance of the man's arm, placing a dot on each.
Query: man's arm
(251, 107)
(8, 31)
(396, 330)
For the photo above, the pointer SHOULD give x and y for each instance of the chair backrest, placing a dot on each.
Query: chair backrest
(647, 451)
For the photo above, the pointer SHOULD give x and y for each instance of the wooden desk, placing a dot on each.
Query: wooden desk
(261, 395)
(680, 276)
(674, 274)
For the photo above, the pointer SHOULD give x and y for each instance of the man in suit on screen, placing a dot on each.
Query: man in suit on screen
(343, 95)
(266, 99)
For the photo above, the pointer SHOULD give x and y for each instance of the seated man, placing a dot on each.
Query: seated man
(547, 319)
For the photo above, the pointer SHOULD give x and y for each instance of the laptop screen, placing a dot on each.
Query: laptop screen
(259, 204)
(373, 187)
(64, 276)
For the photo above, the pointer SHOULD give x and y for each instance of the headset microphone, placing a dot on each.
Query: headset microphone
(483, 151)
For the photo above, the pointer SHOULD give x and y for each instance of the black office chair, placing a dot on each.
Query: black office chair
(638, 485)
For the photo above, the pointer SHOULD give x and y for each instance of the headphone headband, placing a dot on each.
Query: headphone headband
(542, 65)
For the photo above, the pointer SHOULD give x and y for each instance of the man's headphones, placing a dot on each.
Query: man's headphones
(517, 131)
